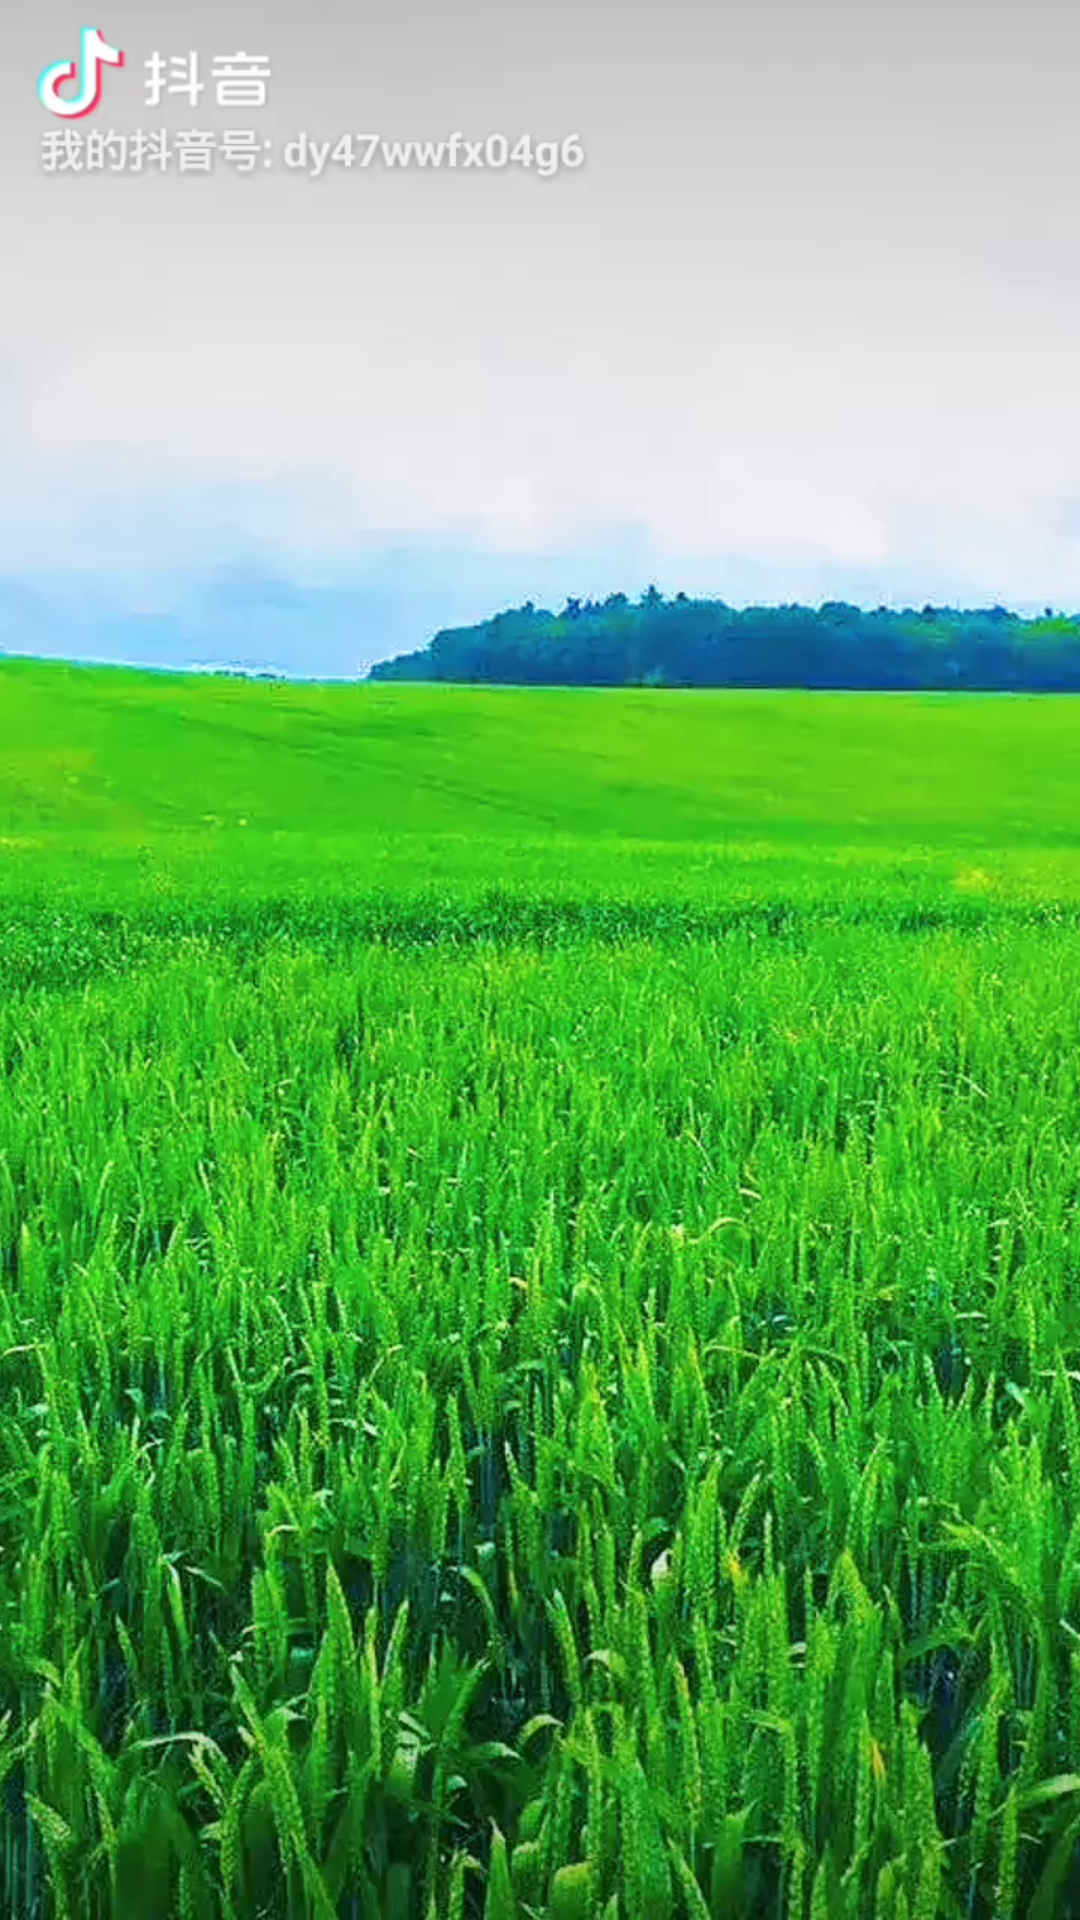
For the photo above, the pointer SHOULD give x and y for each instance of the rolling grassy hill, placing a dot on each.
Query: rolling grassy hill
(118, 786)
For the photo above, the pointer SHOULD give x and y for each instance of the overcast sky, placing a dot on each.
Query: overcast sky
(804, 323)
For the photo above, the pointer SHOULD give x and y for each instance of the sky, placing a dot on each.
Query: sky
(801, 324)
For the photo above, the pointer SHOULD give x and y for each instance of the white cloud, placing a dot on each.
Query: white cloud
(809, 312)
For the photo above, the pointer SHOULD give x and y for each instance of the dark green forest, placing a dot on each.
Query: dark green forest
(682, 642)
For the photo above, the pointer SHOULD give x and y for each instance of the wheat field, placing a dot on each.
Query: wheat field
(539, 1325)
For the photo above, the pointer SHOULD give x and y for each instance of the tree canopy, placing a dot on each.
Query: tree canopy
(683, 642)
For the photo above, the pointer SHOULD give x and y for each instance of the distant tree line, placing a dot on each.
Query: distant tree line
(680, 642)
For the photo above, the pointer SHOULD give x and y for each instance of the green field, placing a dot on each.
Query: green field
(118, 787)
(539, 1309)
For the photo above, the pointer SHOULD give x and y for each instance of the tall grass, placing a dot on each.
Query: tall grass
(581, 1427)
